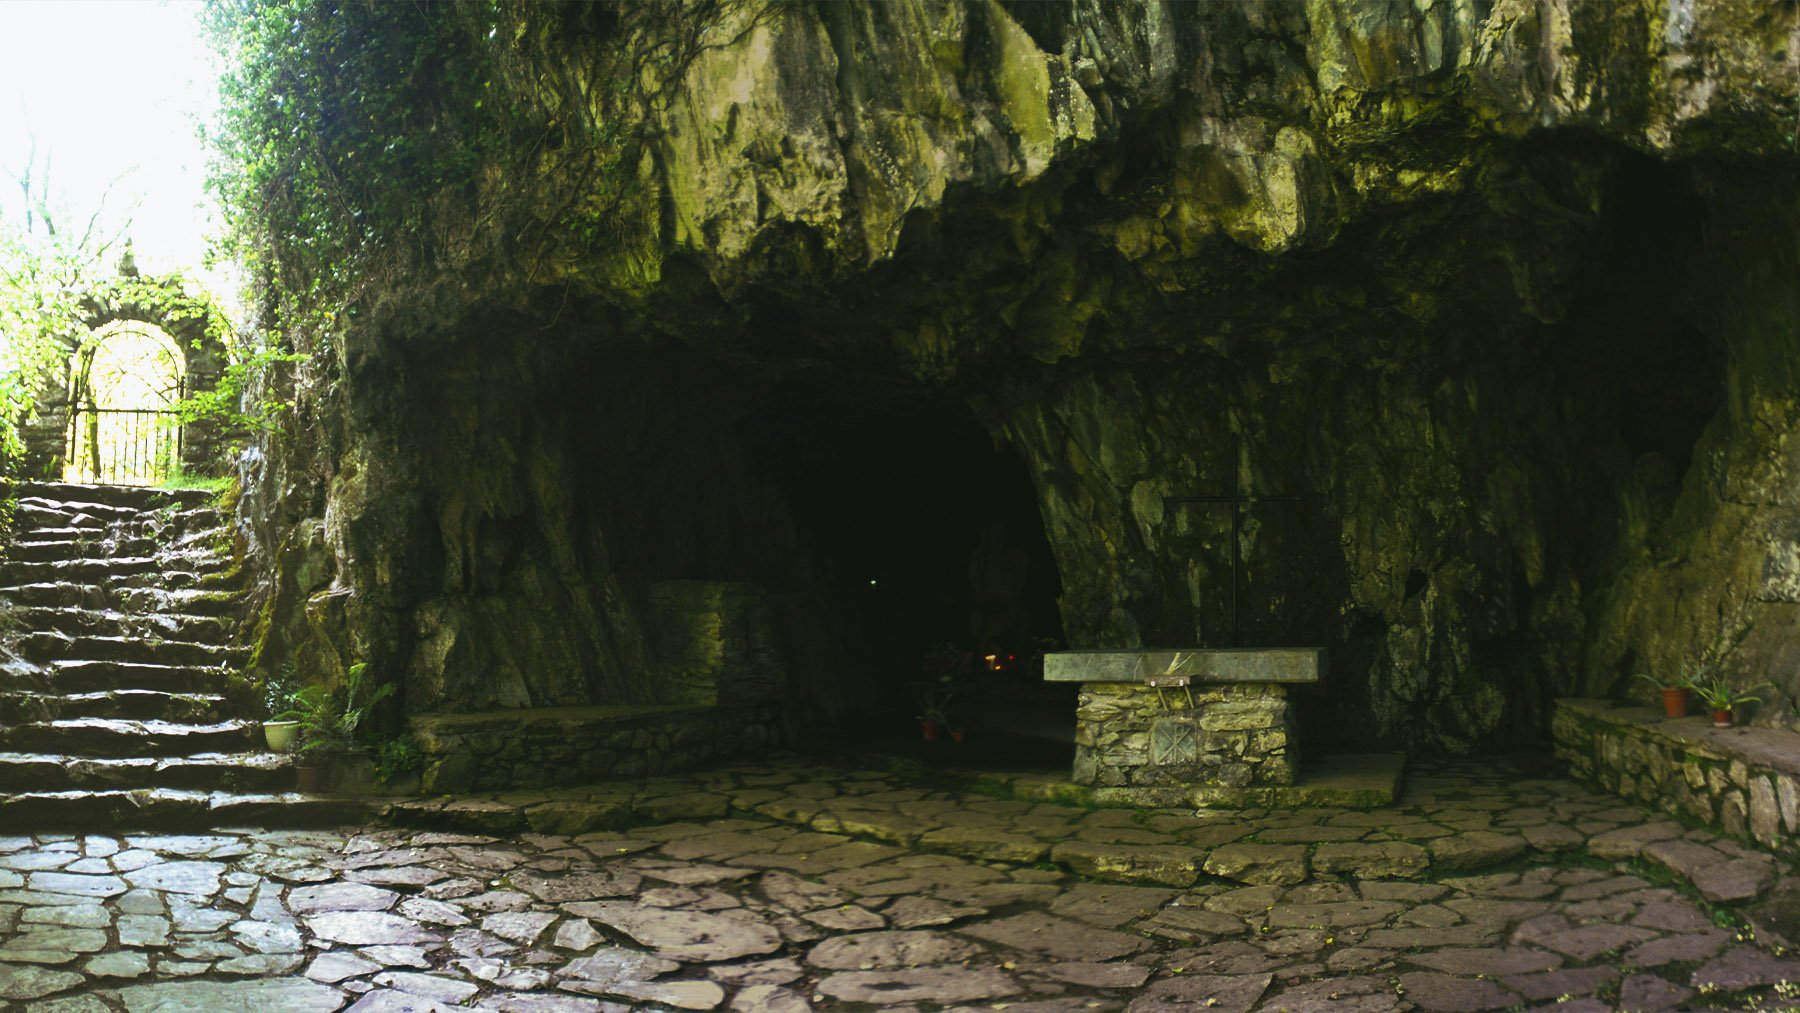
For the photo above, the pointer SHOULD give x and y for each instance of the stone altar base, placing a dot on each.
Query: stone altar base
(1342, 781)
(1230, 736)
(1185, 720)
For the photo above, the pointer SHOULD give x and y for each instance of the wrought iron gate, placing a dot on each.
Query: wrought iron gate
(122, 446)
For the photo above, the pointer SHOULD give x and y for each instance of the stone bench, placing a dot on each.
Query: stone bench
(1742, 781)
(549, 746)
(1209, 717)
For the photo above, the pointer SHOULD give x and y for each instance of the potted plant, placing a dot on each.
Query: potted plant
(1719, 696)
(315, 715)
(1674, 695)
(942, 665)
(280, 732)
(932, 717)
(329, 721)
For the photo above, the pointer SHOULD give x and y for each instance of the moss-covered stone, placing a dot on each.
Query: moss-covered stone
(1504, 292)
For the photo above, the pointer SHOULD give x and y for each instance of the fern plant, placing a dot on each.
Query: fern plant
(330, 719)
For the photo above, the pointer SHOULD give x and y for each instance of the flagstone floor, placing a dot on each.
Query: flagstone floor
(805, 886)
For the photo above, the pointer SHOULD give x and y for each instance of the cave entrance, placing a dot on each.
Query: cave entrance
(123, 429)
(937, 533)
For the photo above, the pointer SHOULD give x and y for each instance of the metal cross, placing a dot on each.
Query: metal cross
(1238, 500)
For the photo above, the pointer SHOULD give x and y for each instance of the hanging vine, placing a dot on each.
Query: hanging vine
(361, 140)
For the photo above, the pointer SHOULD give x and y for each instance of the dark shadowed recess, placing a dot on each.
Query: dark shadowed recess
(896, 489)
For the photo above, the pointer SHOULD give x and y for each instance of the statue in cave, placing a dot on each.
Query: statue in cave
(998, 571)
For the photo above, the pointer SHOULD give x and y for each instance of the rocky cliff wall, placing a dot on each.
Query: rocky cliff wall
(1504, 291)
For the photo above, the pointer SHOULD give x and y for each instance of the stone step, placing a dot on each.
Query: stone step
(106, 676)
(45, 505)
(52, 594)
(137, 497)
(207, 602)
(202, 772)
(20, 706)
(114, 623)
(189, 528)
(82, 570)
(34, 515)
(133, 595)
(41, 811)
(36, 550)
(120, 737)
(37, 533)
(56, 647)
(144, 586)
(149, 586)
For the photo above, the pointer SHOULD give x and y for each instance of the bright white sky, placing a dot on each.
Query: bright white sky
(112, 87)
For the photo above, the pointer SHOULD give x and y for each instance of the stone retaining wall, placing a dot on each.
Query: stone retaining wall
(1742, 781)
(580, 745)
(1232, 736)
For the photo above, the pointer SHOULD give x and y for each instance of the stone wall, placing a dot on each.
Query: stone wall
(1235, 736)
(1742, 781)
(712, 642)
(566, 746)
(1475, 280)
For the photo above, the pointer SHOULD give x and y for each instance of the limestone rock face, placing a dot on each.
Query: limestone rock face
(1502, 292)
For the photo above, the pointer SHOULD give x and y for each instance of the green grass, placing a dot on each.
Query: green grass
(182, 480)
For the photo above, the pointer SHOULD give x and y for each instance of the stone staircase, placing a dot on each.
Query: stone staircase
(118, 607)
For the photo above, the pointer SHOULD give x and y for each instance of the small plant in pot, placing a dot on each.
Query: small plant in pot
(281, 732)
(1720, 697)
(1675, 695)
(942, 666)
(329, 721)
(932, 717)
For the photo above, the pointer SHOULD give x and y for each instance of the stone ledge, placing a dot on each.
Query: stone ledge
(1770, 748)
(1744, 782)
(1353, 781)
(1201, 665)
(173, 808)
(550, 746)
(536, 717)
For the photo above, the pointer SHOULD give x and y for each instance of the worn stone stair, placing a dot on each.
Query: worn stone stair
(119, 606)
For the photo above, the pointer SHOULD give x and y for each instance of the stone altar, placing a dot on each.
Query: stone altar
(1205, 717)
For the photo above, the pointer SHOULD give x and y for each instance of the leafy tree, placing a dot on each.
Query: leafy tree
(46, 272)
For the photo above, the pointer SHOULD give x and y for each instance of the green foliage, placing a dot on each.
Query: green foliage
(1716, 690)
(358, 139)
(226, 404)
(1706, 678)
(277, 688)
(331, 720)
(41, 319)
(397, 757)
(180, 479)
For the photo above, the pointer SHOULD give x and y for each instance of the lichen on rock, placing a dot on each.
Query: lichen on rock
(1502, 292)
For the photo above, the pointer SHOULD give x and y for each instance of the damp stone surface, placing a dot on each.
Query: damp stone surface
(798, 885)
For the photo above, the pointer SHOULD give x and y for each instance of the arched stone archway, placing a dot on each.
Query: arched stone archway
(126, 382)
(193, 330)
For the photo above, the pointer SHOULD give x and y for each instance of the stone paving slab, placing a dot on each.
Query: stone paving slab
(740, 910)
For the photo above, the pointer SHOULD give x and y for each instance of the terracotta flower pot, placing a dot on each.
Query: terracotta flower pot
(1675, 701)
(929, 729)
(310, 778)
(956, 735)
(1721, 717)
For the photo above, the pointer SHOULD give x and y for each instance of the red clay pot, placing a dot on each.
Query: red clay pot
(929, 729)
(1675, 702)
(310, 779)
(1721, 718)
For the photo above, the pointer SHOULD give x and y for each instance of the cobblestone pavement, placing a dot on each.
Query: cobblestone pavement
(796, 886)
